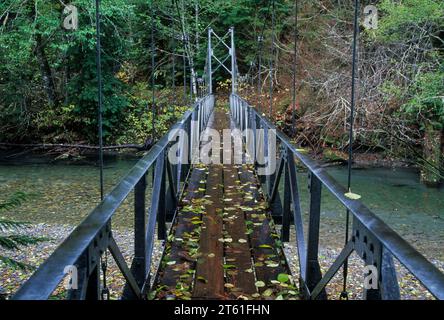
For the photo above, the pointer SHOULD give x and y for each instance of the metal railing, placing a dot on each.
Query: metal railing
(84, 247)
(371, 238)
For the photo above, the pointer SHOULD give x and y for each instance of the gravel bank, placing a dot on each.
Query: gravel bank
(12, 279)
(410, 287)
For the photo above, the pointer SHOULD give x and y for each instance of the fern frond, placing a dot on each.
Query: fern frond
(16, 264)
(14, 201)
(10, 225)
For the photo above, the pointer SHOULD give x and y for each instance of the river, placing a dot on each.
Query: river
(65, 192)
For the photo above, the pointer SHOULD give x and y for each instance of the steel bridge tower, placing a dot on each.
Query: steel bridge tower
(230, 47)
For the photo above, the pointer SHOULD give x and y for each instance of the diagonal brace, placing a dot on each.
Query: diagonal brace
(345, 253)
(120, 260)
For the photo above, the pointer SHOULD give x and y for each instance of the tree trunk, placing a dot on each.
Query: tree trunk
(431, 168)
(45, 69)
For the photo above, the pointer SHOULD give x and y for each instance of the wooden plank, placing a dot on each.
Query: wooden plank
(209, 279)
(172, 274)
(233, 228)
(237, 251)
(267, 255)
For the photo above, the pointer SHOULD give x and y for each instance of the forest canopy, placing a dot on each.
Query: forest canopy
(54, 97)
(48, 88)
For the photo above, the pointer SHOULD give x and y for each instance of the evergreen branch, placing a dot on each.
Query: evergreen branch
(13, 242)
(16, 264)
(10, 225)
(14, 201)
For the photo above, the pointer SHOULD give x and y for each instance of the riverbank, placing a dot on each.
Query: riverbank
(73, 153)
(332, 157)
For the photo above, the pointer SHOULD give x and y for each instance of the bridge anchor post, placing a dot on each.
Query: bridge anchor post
(313, 270)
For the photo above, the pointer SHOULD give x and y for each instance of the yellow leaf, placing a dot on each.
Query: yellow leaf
(353, 196)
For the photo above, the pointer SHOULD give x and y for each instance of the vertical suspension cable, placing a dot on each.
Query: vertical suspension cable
(184, 72)
(196, 9)
(210, 62)
(103, 260)
(295, 56)
(153, 66)
(173, 55)
(233, 62)
(191, 91)
(100, 95)
(259, 81)
(258, 56)
(273, 22)
(344, 294)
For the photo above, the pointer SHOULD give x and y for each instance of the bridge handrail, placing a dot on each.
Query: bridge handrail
(425, 271)
(93, 236)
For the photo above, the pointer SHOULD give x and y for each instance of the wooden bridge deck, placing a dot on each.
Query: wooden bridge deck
(223, 244)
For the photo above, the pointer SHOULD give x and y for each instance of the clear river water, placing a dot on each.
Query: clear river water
(65, 192)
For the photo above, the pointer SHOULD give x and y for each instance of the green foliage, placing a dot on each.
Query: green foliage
(27, 111)
(34, 45)
(14, 201)
(11, 232)
(427, 99)
(417, 23)
(36, 26)
(401, 19)
(138, 121)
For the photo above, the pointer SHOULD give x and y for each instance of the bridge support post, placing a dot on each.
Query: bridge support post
(260, 151)
(88, 281)
(286, 217)
(188, 127)
(313, 270)
(268, 185)
(161, 215)
(138, 267)
(389, 287)
(210, 66)
(93, 285)
(233, 62)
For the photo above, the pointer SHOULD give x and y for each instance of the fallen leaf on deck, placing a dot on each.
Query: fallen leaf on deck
(353, 196)
(283, 277)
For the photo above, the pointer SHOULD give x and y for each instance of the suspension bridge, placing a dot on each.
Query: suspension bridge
(227, 219)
